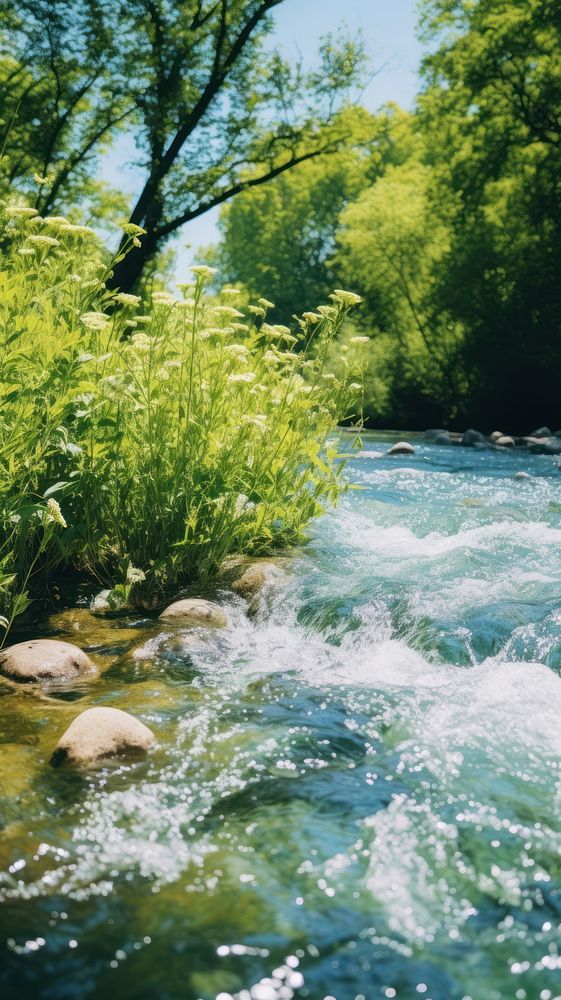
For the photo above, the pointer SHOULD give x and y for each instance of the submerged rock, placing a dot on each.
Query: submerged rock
(196, 611)
(101, 732)
(544, 446)
(542, 432)
(472, 437)
(522, 475)
(45, 660)
(443, 437)
(505, 441)
(401, 448)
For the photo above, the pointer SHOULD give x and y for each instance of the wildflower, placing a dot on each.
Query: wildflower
(257, 420)
(124, 299)
(72, 230)
(94, 320)
(345, 298)
(243, 505)
(54, 220)
(130, 229)
(202, 271)
(26, 251)
(359, 340)
(242, 377)
(236, 349)
(240, 327)
(328, 312)
(135, 575)
(271, 357)
(355, 386)
(131, 324)
(344, 349)
(54, 512)
(136, 242)
(265, 304)
(143, 319)
(329, 376)
(311, 317)
(231, 291)
(227, 311)
(163, 298)
(257, 311)
(141, 342)
(41, 180)
(187, 304)
(46, 241)
(15, 211)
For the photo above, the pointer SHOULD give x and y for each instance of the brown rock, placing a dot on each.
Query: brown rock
(101, 732)
(44, 660)
(255, 577)
(195, 611)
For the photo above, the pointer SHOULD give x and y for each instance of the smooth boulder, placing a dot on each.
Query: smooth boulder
(254, 578)
(45, 660)
(545, 446)
(496, 435)
(522, 475)
(443, 437)
(472, 437)
(542, 432)
(98, 733)
(505, 441)
(196, 612)
(401, 448)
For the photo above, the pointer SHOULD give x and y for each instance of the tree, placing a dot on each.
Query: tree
(280, 239)
(210, 110)
(491, 114)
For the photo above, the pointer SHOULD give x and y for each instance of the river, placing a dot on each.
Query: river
(355, 793)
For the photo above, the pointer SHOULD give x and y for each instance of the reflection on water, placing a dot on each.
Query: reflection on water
(355, 793)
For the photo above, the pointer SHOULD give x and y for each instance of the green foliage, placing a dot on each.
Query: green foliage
(205, 110)
(491, 114)
(280, 239)
(143, 442)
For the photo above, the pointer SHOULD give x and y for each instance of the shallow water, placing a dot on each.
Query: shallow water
(355, 794)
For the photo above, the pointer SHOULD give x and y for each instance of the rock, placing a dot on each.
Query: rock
(442, 437)
(496, 435)
(434, 432)
(472, 437)
(45, 660)
(522, 475)
(101, 732)
(197, 612)
(401, 448)
(505, 441)
(542, 432)
(369, 454)
(544, 446)
(557, 434)
(255, 577)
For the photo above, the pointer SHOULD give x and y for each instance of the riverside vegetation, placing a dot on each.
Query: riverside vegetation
(143, 442)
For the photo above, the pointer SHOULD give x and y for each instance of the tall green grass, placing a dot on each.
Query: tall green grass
(142, 442)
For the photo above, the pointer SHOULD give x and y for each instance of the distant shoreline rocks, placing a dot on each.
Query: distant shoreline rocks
(542, 441)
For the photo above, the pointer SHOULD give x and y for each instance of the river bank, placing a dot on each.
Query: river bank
(353, 791)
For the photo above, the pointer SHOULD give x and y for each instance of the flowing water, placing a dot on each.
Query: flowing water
(355, 793)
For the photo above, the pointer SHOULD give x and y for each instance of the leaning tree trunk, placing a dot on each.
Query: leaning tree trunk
(128, 271)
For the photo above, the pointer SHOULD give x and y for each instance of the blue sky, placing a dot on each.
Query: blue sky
(388, 27)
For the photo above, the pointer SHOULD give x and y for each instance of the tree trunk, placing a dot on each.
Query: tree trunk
(127, 273)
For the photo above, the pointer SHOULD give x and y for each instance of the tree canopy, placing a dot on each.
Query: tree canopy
(210, 110)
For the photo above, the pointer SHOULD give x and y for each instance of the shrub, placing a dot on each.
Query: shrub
(141, 443)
